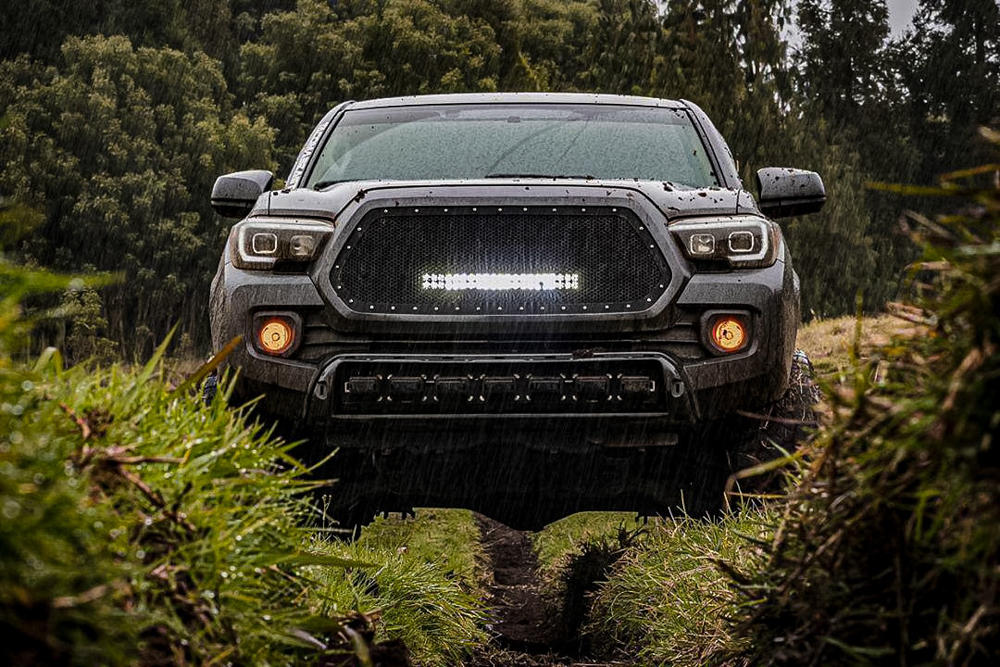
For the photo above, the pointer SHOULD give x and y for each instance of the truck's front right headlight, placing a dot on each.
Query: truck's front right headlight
(743, 242)
(265, 244)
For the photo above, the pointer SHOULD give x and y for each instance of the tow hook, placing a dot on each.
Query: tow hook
(321, 391)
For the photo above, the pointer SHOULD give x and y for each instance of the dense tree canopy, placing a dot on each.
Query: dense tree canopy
(119, 115)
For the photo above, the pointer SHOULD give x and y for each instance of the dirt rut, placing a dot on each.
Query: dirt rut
(530, 626)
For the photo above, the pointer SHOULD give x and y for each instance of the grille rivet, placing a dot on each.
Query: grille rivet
(446, 210)
(416, 210)
(435, 309)
(564, 307)
(521, 308)
(607, 307)
(499, 307)
(649, 299)
(371, 307)
(392, 307)
(385, 210)
(585, 308)
(525, 209)
(350, 301)
(474, 209)
(628, 305)
(500, 209)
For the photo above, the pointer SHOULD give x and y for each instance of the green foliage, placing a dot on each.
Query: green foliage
(889, 548)
(559, 540)
(447, 537)
(140, 525)
(950, 63)
(120, 146)
(420, 598)
(87, 339)
(666, 602)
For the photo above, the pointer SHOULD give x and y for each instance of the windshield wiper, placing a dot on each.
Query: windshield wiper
(552, 176)
(326, 184)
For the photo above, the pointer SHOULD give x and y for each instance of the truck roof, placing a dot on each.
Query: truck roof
(517, 98)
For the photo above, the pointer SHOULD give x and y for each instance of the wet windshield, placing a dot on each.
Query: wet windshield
(529, 140)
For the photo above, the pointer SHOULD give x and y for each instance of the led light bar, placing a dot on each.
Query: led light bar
(500, 281)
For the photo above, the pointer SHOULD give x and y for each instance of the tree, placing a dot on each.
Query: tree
(623, 47)
(953, 75)
(120, 146)
(852, 95)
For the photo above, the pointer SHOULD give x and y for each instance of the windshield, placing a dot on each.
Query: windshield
(470, 141)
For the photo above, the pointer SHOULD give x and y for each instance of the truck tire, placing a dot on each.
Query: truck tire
(776, 431)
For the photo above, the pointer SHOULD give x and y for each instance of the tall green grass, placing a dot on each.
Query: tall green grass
(426, 590)
(888, 549)
(668, 601)
(139, 525)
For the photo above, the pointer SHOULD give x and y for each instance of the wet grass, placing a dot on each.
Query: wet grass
(667, 600)
(829, 343)
(563, 539)
(449, 538)
(412, 593)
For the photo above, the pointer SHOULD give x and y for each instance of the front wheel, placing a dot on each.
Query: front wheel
(775, 432)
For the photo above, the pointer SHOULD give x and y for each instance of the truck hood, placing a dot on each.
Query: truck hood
(671, 200)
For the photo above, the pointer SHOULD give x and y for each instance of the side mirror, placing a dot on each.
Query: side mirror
(785, 192)
(234, 195)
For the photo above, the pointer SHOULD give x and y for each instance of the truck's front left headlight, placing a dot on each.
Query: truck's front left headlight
(266, 244)
(742, 242)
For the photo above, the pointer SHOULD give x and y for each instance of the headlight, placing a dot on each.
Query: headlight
(743, 242)
(263, 244)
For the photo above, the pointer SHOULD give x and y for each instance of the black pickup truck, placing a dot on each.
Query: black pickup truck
(523, 304)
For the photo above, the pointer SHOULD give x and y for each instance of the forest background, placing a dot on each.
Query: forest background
(116, 116)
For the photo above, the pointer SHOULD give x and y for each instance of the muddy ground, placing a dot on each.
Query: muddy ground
(534, 625)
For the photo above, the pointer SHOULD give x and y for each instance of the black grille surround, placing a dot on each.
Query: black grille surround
(606, 259)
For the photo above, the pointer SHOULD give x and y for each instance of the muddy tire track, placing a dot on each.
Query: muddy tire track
(530, 625)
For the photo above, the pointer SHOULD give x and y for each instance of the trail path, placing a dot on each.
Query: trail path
(530, 627)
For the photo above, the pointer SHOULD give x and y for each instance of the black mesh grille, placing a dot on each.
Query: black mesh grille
(383, 265)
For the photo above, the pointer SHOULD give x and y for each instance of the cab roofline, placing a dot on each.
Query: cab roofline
(517, 98)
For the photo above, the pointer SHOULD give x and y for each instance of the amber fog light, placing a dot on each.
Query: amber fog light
(276, 335)
(729, 334)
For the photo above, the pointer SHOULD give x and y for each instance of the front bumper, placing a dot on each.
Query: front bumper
(363, 387)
